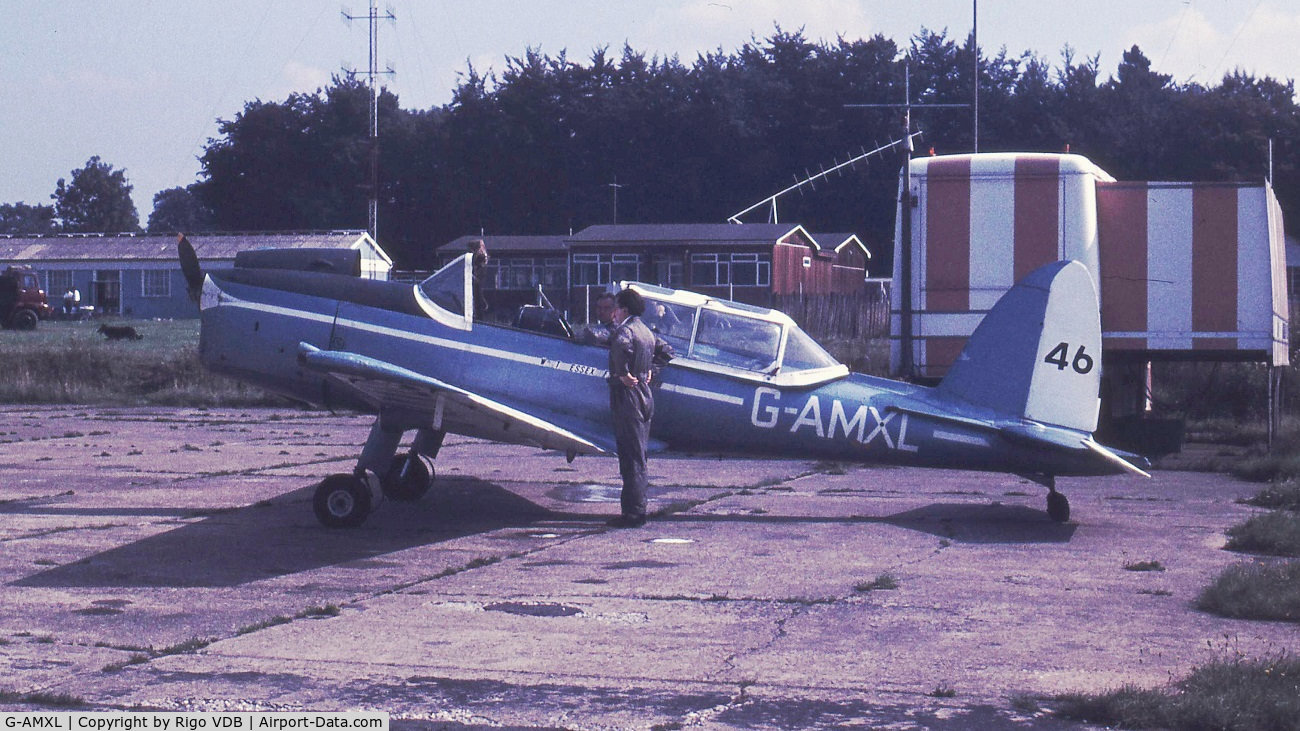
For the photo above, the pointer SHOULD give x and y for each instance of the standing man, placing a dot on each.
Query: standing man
(631, 353)
(478, 253)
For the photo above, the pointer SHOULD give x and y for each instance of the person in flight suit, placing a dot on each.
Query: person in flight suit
(632, 404)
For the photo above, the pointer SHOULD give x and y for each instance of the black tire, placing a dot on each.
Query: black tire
(409, 479)
(1058, 507)
(341, 501)
(23, 320)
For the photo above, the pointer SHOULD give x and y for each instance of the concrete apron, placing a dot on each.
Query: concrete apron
(169, 559)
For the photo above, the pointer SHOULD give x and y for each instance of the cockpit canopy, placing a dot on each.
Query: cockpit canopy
(706, 334)
(735, 338)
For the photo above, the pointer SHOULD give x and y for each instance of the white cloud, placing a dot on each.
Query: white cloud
(300, 77)
(710, 24)
(1193, 45)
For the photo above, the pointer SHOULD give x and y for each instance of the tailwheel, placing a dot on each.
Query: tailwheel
(1058, 507)
(409, 478)
(342, 501)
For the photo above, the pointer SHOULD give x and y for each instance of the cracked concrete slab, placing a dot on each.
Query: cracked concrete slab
(169, 559)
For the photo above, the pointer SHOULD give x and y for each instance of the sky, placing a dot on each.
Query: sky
(142, 83)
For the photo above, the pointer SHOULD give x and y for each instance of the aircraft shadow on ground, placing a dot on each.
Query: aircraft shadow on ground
(281, 537)
(957, 522)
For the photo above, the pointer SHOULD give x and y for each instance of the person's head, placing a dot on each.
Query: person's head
(630, 303)
(478, 250)
(605, 308)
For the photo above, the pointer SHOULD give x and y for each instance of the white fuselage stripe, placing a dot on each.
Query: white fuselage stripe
(700, 393)
(948, 436)
(507, 355)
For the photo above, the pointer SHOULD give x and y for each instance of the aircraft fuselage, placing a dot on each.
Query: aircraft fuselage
(253, 332)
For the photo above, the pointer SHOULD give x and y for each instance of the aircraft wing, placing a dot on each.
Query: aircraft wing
(392, 388)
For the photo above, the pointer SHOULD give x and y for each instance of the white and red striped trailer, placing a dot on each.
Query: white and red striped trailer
(1183, 269)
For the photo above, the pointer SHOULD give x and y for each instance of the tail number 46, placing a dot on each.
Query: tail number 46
(1060, 357)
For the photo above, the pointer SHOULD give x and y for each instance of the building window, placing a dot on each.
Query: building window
(57, 282)
(741, 270)
(667, 270)
(155, 283)
(588, 269)
(605, 268)
(526, 272)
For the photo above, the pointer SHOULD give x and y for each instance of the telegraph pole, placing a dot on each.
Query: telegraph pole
(372, 215)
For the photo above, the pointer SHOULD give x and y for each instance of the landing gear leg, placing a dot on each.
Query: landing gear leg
(1058, 507)
(411, 475)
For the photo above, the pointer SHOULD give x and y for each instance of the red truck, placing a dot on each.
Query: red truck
(22, 301)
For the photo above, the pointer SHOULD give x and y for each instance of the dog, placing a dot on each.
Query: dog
(120, 332)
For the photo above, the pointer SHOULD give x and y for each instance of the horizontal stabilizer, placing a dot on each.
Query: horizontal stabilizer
(1114, 458)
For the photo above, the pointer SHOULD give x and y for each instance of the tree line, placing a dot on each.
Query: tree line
(539, 147)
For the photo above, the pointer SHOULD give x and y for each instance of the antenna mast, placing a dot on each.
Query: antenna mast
(372, 215)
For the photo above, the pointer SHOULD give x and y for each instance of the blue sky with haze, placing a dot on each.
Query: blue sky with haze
(142, 83)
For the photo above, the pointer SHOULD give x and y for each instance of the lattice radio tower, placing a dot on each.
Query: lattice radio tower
(372, 215)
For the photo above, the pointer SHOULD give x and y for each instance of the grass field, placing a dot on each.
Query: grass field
(70, 362)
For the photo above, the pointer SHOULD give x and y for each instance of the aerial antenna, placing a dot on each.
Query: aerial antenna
(905, 213)
(615, 185)
(372, 208)
(810, 180)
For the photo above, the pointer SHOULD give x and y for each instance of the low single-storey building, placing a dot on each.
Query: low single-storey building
(750, 262)
(139, 276)
(757, 263)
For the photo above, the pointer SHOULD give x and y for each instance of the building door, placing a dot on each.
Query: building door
(106, 291)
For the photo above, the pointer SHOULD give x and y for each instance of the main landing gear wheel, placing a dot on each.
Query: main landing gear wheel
(1058, 507)
(409, 478)
(342, 501)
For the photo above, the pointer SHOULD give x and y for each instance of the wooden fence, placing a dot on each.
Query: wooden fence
(860, 316)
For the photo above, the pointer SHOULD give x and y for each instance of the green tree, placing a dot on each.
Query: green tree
(178, 210)
(20, 218)
(534, 148)
(98, 199)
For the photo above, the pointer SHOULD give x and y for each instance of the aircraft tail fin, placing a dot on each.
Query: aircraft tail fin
(1036, 354)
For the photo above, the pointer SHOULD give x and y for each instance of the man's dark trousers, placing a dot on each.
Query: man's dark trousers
(633, 409)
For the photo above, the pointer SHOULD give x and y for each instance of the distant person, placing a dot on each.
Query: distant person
(660, 318)
(478, 272)
(597, 333)
(69, 302)
(631, 403)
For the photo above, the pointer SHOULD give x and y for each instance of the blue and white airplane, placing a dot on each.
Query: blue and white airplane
(1022, 397)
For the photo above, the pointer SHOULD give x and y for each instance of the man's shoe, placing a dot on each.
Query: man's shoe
(626, 521)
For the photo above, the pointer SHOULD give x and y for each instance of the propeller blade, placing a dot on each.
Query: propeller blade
(190, 267)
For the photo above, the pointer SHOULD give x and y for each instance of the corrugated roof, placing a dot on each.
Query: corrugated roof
(557, 244)
(117, 247)
(721, 234)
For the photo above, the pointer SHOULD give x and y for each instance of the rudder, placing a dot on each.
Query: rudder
(1037, 354)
